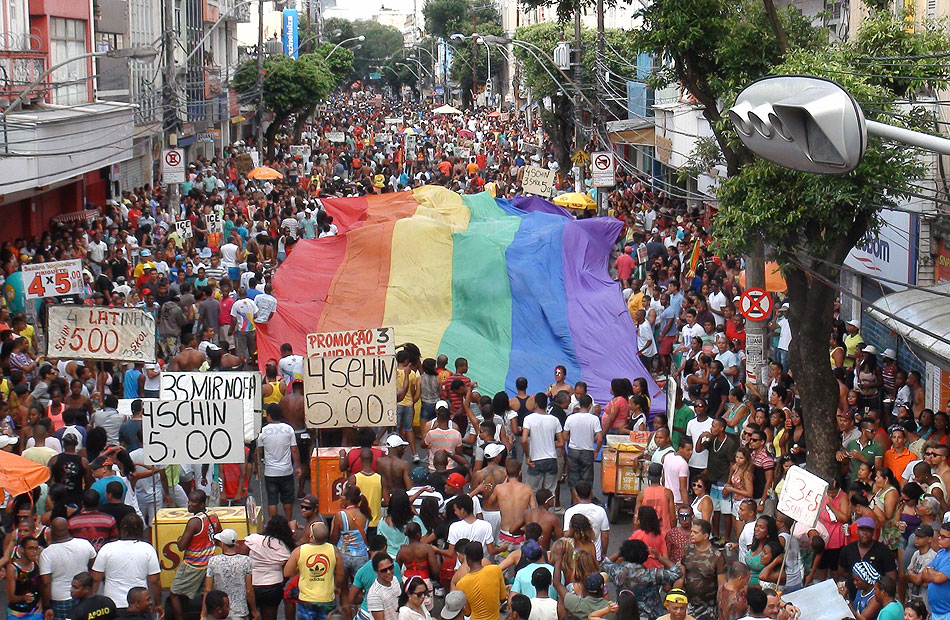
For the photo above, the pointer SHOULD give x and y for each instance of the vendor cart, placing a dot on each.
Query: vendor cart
(623, 470)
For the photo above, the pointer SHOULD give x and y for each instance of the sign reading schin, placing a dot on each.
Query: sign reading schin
(290, 33)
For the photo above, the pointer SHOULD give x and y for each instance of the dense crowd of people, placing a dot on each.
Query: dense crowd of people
(476, 505)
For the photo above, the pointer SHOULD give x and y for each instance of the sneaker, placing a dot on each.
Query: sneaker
(439, 592)
(416, 458)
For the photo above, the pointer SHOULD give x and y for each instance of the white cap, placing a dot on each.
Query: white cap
(493, 449)
(442, 404)
(890, 354)
(7, 440)
(784, 307)
(870, 349)
(226, 537)
(855, 323)
(394, 441)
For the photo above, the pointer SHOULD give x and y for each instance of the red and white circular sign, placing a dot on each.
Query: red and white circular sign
(755, 304)
(172, 158)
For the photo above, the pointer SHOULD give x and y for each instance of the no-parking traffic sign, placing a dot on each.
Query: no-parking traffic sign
(755, 304)
(602, 167)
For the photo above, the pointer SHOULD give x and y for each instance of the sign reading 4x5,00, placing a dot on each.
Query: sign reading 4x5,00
(54, 279)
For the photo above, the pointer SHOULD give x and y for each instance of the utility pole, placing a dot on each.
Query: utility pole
(170, 99)
(474, 56)
(578, 108)
(600, 75)
(259, 138)
(756, 331)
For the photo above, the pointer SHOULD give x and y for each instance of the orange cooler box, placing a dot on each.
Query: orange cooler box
(326, 479)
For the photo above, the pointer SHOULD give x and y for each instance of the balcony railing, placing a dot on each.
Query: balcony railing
(18, 69)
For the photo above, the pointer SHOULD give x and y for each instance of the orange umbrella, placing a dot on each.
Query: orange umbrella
(774, 282)
(264, 173)
(19, 475)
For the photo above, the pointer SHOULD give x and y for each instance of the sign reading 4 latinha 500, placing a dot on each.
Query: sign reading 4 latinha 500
(90, 332)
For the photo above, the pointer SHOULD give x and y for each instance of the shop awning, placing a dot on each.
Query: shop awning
(924, 322)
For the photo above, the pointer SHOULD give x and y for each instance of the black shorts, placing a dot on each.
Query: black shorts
(829, 559)
(280, 489)
(269, 596)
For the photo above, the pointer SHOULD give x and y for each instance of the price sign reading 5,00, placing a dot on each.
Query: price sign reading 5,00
(53, 279)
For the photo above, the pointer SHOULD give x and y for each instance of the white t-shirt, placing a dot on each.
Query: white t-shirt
(645, 339)
(543, 609)
(542, 427)
(583, 426)
(290, 366)
(674, 468)
(717, 302)
(695, 428)
(384, 598)
(153, 383)
(229, 255)
(597, 517)
(126, 564)
(478, 530)
(266, 306)
(63, 561)
(785, 337)
(277, 438)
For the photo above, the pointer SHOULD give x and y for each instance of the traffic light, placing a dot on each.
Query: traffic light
(805, 123)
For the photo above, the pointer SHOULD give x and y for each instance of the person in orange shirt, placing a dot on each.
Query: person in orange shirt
(445, 167)
(898, 456)
(471, 168)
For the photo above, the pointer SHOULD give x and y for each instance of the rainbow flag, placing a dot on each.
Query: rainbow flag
(514, 287)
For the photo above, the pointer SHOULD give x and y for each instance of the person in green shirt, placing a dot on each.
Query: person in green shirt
(584, 600)
(864, 449)
(682, 414)
(885, 591)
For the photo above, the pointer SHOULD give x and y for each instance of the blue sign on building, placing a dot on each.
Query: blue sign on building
(290, 33)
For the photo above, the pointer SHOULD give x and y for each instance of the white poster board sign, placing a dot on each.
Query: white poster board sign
(214, 222)
(801, 495)
(215, 386)
(336, 136)
(300, 150)
(183, 228)
(463, 153)
(352, 343)
(53, 279)
(819, 601)
(350, 391)
(537, 180)
(98, 333)
(193, 431)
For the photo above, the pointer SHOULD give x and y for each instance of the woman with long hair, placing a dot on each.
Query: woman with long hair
(941, 427)
(563, 549)
(926, 424)
(794, 437)
(869, 380)
(884, 503)
(702, 505)
(614, 417)
(836, 349)
(639, 406)
(582, 533)
(429, 389)
(835, 513)
(268, 553)
(412, 600)
(418, 560)
(647, 529)
(737, 410)
(757, 558)
(348, 531)
(393, 527)
(738, 488)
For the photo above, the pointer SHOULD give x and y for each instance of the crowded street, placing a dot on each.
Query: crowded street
(369, 340)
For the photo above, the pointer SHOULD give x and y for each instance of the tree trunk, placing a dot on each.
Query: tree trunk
(302, 118)
(270, 135)
(810, 310)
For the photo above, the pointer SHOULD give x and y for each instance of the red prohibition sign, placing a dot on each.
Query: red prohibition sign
(172, 158)
(755, 304)
(602, 162)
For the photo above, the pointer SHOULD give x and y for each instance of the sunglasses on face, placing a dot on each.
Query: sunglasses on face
(386, 569)
(685, 516)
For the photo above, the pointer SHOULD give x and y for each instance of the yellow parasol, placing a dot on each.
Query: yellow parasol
(264, 173)
(575, 200)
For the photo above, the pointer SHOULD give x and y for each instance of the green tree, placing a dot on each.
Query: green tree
(291, 86)
(443, 18)
(340, 63)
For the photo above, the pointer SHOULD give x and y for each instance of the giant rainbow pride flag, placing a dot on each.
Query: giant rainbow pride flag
(515, 288)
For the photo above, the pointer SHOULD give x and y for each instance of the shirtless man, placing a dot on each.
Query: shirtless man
(540, 513)
(485, 480)
(189, 358)
(518, 408)
(292, 406)
(560, 373)
(393, 468)
(512, 499)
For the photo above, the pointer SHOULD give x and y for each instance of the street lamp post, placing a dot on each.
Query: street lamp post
(337, 46)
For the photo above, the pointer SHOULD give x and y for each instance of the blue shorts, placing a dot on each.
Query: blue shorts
(313, 611)
(234, 274)
(404, 416)
(719, 504)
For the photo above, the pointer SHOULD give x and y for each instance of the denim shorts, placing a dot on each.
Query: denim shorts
(404, 415)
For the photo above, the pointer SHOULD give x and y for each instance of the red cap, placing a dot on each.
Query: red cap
(456, 480)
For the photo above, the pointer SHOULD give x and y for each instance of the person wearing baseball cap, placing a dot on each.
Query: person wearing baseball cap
(455, 603)
(580, 604)
(442, 435)
(866, 551)
(227, 572)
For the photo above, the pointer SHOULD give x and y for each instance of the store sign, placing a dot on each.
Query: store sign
(892, 253)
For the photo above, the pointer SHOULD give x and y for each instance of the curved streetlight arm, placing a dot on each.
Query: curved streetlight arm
(419, 47)
(541, 63)
(531, 46)
(337, 46)
(409, 69)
